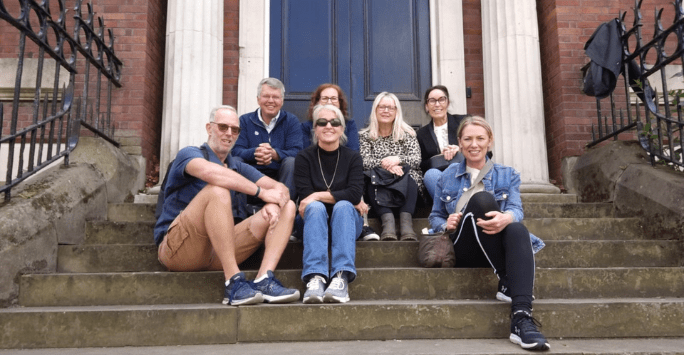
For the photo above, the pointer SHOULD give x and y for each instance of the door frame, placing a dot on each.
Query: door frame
(446, 47)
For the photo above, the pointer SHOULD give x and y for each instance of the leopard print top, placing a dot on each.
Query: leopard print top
(407, 149)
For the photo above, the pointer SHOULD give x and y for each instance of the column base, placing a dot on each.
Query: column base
(539, 187)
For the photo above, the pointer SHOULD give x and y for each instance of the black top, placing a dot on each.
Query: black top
(429, 146)
(348, 183)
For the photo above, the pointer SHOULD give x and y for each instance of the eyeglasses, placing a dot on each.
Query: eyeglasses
(442, 100)
(331, 99)
(322, 122)
(224, 127)
(267, 98)
(387, 108)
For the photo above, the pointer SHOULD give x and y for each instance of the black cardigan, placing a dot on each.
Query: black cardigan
(429, 146)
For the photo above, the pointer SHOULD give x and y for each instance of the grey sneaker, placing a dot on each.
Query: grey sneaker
(338, 291)
(315, 289)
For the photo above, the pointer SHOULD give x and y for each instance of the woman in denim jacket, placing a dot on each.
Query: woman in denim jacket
(478, 204)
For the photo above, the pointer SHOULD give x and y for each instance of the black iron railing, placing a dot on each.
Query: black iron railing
(54, 128)
(655, 116)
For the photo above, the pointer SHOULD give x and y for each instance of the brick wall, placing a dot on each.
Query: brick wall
(231, 51)
(564, 27)
(139, 30)
(472, 32)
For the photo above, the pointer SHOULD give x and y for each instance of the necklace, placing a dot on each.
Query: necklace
(321, 166)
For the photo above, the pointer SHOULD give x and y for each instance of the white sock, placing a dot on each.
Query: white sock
(264, 276)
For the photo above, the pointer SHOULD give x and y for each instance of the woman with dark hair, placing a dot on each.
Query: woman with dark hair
(478, 203)
(389, 145)
(330, 94)
(439, 136)
(329, 181)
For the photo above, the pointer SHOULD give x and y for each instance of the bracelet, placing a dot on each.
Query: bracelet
(258, 191)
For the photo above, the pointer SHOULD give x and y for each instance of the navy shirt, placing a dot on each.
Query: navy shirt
(182, 187)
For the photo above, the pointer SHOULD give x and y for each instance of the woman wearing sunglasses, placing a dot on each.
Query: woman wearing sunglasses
(330, 94)
(329, 181)
(389, 145)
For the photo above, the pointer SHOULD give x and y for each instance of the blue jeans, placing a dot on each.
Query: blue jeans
(286, 176)
(342, 240)
(430, 180)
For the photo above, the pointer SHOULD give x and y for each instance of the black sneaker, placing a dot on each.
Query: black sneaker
(368, 234)
(524, 332)
(503, 293)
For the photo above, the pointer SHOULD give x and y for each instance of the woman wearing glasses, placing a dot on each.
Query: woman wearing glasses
(389, 145)
(439, 136)
(329, 181)
(330, 94)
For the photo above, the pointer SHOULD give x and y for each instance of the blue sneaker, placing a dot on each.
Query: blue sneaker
(240, 292)
(338, 290)
(274, 292)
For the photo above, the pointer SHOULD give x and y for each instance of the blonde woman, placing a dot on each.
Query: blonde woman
(389, 145)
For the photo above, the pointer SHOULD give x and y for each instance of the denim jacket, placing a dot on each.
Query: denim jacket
(501, 181)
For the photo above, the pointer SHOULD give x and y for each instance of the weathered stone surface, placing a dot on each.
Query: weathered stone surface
(117, 326)
(108, 232)
(371, 284)
(52, 208)
(44, 211)
(122, 173)
(656, 195)
(621, 172)
(596, 171)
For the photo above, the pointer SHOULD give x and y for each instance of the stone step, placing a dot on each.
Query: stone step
(569, 254)
(499, 346)
(568, 210)
(134, 212)
(38, 327)
(371, 284)
(131, 212)
(108, 232)
(548, 198)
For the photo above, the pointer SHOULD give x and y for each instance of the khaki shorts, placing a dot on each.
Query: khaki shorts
(184, 249)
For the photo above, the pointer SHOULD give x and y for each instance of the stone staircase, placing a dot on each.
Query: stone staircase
(598, 277)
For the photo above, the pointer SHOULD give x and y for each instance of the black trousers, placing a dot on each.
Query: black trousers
(508, 252)
(409, 203)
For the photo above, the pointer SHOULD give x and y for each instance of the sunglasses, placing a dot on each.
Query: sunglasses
(322, 122)
(224, 127)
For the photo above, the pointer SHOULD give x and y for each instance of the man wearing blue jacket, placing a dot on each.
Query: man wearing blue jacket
(271, 137)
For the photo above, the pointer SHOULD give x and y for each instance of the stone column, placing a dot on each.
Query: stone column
(514, 103)
(447, 49)
(254, 44)
(193, 73)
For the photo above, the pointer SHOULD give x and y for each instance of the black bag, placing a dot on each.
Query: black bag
(162, 194)
(436, 250)
(438, 161)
